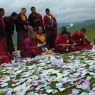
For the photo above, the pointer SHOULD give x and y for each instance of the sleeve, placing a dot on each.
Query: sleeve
(55, 22)
(57, 43)
(2, 30)
(45, 22)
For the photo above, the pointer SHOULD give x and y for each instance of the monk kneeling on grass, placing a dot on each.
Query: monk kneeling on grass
(81, 41)
(63, 42)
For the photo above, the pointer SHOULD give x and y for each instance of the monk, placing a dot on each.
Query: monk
(35, 19)
(63, 43)
(10, 22)
(30, 48)
(81, 40)
(4, 57)
(50, 24)
(2, 33)
(40, 36)
(21, 26)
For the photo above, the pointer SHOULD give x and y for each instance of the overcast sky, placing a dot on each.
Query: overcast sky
(63, 10)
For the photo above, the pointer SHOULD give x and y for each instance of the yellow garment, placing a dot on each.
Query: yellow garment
(49, 16)
(41, 38)
(23, 17)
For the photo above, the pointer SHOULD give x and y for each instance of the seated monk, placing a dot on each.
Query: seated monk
(40, 36)
(30, 47)
(62, 42)
(81, 40)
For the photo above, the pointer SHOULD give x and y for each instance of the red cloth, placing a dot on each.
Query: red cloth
(30, 48)
(5, 58)
(2, 45)
(63, 40)
(81, 41)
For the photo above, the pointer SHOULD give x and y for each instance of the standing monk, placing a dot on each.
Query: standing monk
(35, 19)
(4, 57)
(50, 28)
(21, 26)
(2, 33)
(10, 21)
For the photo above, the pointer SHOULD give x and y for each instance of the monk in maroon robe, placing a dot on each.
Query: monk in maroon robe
(50, 24)
(4, 57)
(35, 19)
(63, 42)
(30, 47)
(2, 33)
(21, 26)
(10, 21)
(81, 40)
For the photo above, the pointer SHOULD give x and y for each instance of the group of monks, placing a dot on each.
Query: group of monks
(36, 35)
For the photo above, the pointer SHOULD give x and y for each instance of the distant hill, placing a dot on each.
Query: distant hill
(86, 24)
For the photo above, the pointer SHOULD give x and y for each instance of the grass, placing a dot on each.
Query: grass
(91, 34)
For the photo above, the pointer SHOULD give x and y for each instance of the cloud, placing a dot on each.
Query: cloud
(63, 10)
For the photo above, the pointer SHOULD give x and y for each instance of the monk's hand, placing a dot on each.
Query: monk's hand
(67, 45)
(25, 27)
(41, 45)
(72, 46)
(60, 44)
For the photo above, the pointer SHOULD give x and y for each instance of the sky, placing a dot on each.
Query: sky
(64, 10)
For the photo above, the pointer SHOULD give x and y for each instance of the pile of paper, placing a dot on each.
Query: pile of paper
(50, 74)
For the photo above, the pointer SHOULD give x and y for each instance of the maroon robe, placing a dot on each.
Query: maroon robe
(30, 48)
(81, 41)
(4, 57)
(50, 29)
(62, 42)
(35, 20)
(2, 37)
(9, 33)
(21, 31)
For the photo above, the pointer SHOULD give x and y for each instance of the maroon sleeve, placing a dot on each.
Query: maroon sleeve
(58, 42)
(46, 22)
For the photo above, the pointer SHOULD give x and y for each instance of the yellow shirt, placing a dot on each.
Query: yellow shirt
(23, 17)
(41, 38)
(49, 16)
